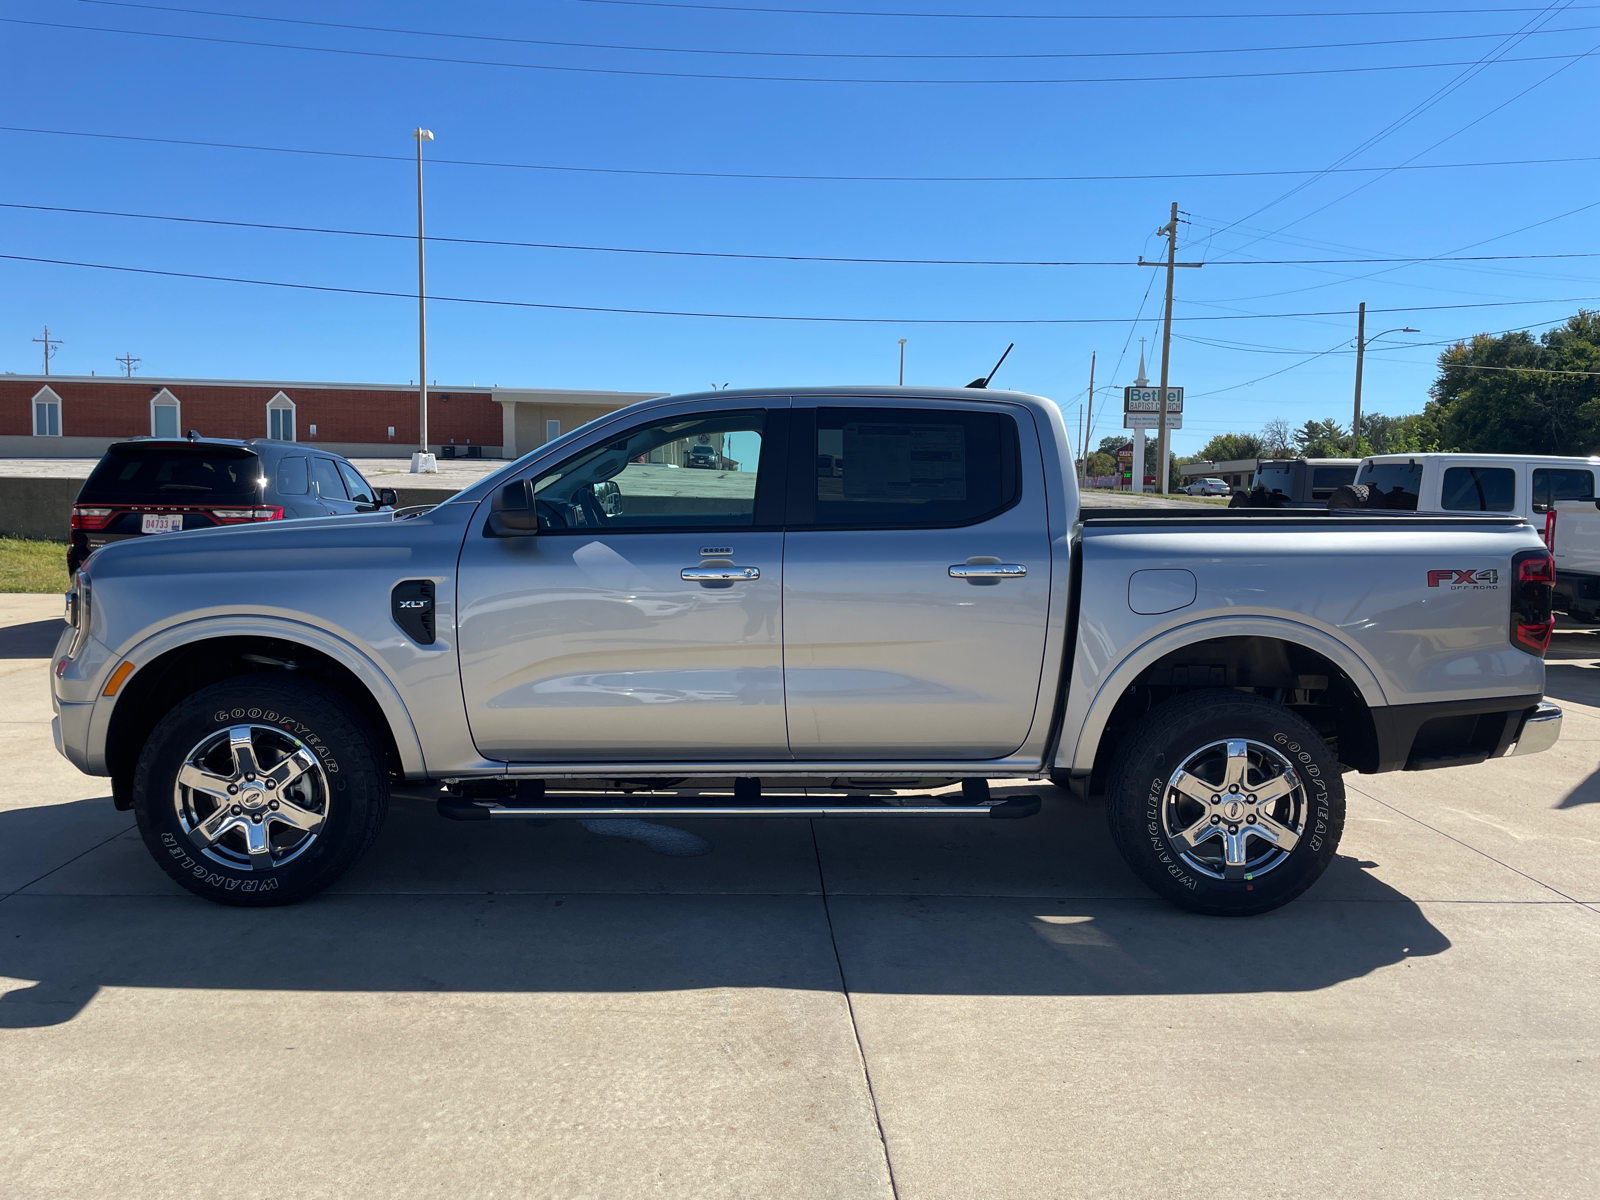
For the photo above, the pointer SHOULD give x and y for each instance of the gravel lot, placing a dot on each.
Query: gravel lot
(955, 1010)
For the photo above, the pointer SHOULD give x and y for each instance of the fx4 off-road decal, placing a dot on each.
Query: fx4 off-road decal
(1485, 580)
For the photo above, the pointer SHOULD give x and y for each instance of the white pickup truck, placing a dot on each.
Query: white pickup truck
(879, 600)
(1556, 495)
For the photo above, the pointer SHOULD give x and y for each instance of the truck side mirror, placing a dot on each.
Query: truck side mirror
(512, 512)
(387, 497)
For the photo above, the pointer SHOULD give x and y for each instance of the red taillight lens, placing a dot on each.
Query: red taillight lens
(1537, 568)
(233, 516)
(1533, 617)
(84, 517)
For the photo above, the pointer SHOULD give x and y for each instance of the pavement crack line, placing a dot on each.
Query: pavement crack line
(1468, 845)
(17, 891)
(850, 1008)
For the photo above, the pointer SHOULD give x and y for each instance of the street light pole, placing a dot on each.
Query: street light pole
(420, 461)
(1361, 352)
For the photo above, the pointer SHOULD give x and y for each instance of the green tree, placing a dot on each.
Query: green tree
(1322, 439)
(1100, 464)
(1513, 393)
(1228, 447)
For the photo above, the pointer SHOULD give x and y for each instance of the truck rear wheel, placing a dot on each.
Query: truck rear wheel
(1225, 803)
(260, 790)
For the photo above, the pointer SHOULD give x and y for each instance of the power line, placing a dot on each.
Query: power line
(465, 162)
(652, 312)
(520, 41)
(819, 258)
(945, 82)
(1255, 16)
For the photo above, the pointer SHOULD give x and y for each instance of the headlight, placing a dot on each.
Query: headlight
(78, 608)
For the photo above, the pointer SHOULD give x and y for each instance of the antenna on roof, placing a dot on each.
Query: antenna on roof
(984, 381)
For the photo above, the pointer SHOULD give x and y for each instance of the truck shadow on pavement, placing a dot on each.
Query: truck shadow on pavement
(904, 913)
(36, 639)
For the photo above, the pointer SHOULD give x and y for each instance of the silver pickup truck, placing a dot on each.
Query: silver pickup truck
(875, 602)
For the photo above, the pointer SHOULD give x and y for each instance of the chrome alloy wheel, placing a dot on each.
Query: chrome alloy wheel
(251, 797)
(1234, 809)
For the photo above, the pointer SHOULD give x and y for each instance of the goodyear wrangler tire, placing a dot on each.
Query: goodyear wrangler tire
(260, 790)
(1225, 803)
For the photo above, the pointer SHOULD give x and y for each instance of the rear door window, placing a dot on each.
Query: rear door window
(1479, 489)
(175, 475)
(326, 476)
(1561, 483)
(293, 476)
(359, 491)
(898, 468)
(1327, 480)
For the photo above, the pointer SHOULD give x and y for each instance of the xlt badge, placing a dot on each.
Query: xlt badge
(411, 604)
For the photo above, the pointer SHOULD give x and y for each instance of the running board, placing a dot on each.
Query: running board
(1011, 808)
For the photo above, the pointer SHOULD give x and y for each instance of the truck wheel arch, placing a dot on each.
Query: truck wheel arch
(1079, 754)
(178, 662)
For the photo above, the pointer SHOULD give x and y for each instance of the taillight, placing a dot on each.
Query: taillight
(234, 515)
(84, 517)
(1533, 619)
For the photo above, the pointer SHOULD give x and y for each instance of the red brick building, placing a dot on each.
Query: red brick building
(76, 417)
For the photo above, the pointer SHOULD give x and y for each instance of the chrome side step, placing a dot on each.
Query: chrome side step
(459, 809)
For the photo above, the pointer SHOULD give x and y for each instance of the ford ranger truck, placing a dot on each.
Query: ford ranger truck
(888, 599)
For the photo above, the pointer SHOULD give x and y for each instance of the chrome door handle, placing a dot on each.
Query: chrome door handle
(988, 571)
(719, 574)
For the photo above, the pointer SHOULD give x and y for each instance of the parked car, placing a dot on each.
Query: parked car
(705, 457)
(1295, 482)
(1207, 487)
(149, 486)
(1556, 493)
(788, 644)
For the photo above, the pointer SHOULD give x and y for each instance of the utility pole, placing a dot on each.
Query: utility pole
(419, 462)
(1088, 425)
(1361, 353)
(50, 345)
(1162, 449)
(902, 362)
(129, 362)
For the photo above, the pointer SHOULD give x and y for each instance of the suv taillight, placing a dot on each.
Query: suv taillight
(86, 517)
(1533, 618)
(229, 516)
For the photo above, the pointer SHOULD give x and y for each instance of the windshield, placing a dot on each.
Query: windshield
(175, 475)
(1396, 482)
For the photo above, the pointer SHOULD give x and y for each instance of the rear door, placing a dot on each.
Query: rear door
(916, 580)
(643, 621)
(328, 486)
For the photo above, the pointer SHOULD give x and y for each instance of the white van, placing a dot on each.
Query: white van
(1557, 495)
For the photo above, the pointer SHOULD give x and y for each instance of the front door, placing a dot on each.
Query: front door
(643, 621)
(916, 582)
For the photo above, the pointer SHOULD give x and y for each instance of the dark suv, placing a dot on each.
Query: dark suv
(165, 485)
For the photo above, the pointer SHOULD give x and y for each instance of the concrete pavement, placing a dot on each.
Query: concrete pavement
(949, 1009)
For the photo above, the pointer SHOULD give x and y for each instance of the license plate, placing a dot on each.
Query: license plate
(160, 523)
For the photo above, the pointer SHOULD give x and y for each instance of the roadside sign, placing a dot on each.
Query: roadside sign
(1147, 400)
(1151, 420)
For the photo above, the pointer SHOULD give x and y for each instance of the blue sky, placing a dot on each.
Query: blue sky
(86, 80)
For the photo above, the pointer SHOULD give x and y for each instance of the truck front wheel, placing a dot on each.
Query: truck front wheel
(260, 790)
(1225, 803)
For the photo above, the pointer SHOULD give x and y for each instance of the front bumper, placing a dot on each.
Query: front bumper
(1540, 730)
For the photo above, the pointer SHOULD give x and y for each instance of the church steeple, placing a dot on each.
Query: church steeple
(1141, 381)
